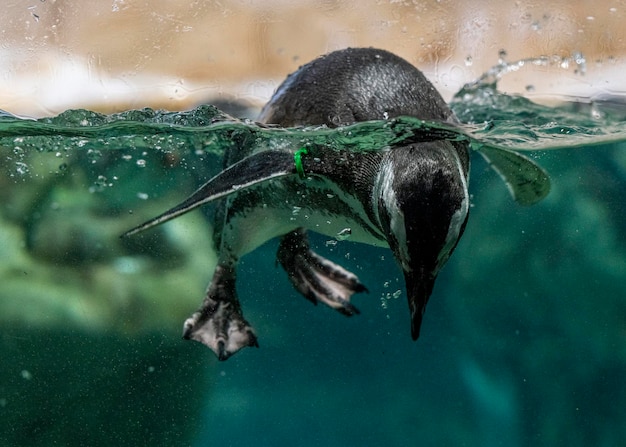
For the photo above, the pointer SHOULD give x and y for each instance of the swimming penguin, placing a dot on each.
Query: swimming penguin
(412, 198)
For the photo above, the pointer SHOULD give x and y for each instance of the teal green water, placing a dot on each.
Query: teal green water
(490, 119)
(523, 340)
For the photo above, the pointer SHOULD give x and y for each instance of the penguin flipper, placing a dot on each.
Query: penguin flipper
(317, 278)
(248, 172)
(219, 323)
(528, 183)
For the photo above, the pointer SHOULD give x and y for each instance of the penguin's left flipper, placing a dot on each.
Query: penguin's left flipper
(250, 171)
(528, 183)
(317, 278)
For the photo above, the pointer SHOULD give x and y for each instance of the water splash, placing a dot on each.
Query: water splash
(491, 77)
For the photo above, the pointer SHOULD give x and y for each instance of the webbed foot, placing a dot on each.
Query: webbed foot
(219, 323)
(315, 277)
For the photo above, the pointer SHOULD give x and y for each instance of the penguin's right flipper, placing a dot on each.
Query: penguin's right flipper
(528, 183)
(317, 278)
(250, 171)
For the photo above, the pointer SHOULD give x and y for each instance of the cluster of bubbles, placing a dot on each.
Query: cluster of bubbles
(386, 297)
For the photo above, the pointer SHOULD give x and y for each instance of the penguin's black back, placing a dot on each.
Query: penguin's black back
(352, 85)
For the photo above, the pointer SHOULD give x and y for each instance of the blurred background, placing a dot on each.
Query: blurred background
(524, 340)
(120, 54)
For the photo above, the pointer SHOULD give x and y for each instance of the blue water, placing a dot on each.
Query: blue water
(523, 340)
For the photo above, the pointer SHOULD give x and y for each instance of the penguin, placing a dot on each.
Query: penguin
(411, 198)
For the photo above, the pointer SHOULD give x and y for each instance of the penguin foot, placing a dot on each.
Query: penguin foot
(315, 277)
(219, 323)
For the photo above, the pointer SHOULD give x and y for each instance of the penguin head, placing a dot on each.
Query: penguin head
(352, 85)
(422, 204)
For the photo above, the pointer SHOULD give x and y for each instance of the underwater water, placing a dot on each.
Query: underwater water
(523, 341)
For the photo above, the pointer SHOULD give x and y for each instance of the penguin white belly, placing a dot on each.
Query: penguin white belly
(314, 208)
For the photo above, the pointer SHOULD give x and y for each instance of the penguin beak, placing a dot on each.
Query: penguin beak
(419, 286)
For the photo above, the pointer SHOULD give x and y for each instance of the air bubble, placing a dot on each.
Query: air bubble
(344, 234)
(386, 297)
(21, 168)
(93, 155)
(100, 184)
